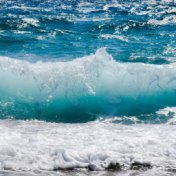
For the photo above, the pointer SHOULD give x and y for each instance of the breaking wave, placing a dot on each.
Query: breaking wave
(82, 89)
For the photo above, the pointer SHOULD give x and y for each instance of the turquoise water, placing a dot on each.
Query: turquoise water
(96, 86)
(62, 31)
(87, 85)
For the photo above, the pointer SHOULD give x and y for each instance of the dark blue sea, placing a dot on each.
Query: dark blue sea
(88, 87)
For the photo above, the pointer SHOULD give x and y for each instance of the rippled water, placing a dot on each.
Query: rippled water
(134, 31)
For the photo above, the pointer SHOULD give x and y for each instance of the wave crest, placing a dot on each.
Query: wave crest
(79, 90)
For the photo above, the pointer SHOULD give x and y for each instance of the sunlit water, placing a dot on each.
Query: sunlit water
(87, 87)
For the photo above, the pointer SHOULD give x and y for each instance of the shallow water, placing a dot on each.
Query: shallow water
(98, 146)
(80, 173)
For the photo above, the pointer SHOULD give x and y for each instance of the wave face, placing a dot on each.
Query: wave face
(82, 89)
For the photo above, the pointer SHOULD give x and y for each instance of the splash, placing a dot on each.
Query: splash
(81, 89)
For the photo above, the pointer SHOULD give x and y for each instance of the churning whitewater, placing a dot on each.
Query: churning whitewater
(34, 145)
(82, 89)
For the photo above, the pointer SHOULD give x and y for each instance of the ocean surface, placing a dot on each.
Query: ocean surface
(87, 87)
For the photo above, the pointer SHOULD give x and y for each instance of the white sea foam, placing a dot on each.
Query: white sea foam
(170, 52)
(165, 21)
(34, 145)
(114, 5)
(118, 37)
(29, 21)
(167, 112)
(97, 74)
(21, 32)
(22, 7)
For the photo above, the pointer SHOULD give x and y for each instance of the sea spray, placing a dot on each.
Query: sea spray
(80, 90)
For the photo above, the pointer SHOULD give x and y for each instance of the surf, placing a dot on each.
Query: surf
(84, 88)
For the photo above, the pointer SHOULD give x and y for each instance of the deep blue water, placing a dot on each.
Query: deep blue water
(134, 31)
(58, 32)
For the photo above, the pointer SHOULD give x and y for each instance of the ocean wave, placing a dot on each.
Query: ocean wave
(118, 37)
(81, 89)
(40, 146)
(168, 20)
(170, 113)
